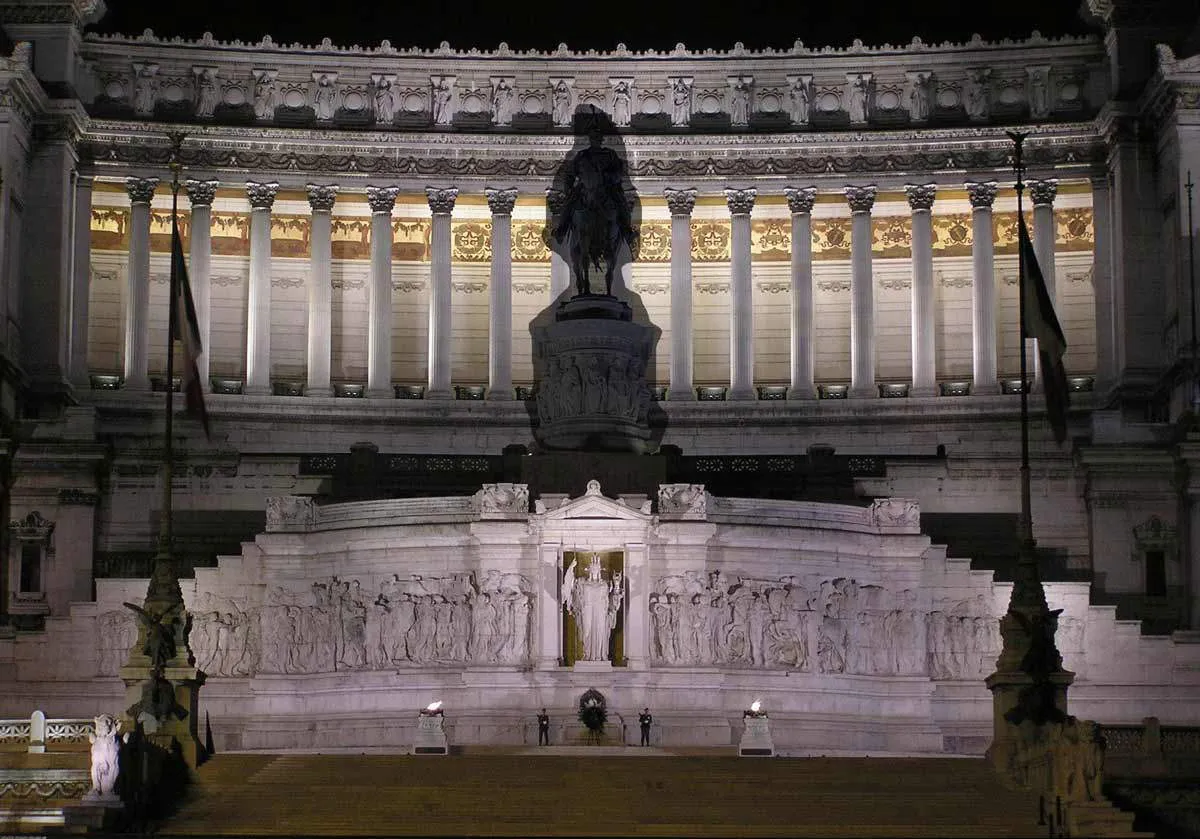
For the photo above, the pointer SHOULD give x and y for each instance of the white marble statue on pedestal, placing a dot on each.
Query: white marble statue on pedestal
(594, 603)
(106, 747)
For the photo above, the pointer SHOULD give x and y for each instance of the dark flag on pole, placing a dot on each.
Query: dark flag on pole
(1042, 324)
(185, 327)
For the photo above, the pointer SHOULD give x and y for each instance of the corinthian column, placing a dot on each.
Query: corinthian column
(1102, 282)
(800, 202)
(320, 289)
(137, 310)
(741, 293)
(258, 309)
(862, 293)
(920, 201)
(441, 204)
(201, 195)
(560, 271)
(681, 202)
(81, 278)
(983, 288)
(379, 318)
(500, 386)
(1042, 194)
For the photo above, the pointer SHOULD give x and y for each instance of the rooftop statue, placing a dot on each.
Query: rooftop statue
(595, 217)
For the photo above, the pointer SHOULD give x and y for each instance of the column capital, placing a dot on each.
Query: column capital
(201, 193)
(681, 202)
(321, 197)
(501, 201)
(441, 199)
(141, 190)
(800, 199)
(982, 194)
(860, 198)
(261, 195)
(1043, 192)
(382, 199)
(740, 201)
(555, 200)
(920, 196)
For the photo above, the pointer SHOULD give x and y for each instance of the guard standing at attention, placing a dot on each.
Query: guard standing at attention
(644, 719)
(543, 728)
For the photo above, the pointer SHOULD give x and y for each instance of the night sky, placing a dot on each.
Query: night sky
(536, 24)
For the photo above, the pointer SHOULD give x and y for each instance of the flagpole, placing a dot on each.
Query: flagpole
(165, 530)
(1025, 523)
(1192, 283)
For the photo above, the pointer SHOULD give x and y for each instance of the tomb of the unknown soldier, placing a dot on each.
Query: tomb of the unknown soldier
(762, 441)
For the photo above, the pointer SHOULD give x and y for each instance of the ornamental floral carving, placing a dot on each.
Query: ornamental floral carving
(680, 202)
(920, 197)
(800, 199)
(502, 500)
(201, 193)
(687, 502)
(321, 197)
(740, 201)
(982, 194)
(501, 201)
(261, 195)
(860, 198)
(441, 199)
(141, 190)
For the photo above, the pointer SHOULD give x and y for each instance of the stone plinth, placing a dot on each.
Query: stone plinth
(430, 738)
(592, 394)
(756, 737)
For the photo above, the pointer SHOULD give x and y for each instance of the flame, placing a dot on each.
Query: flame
(755, 706)
(433, 706)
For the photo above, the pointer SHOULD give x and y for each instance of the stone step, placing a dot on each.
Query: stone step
(516, 794)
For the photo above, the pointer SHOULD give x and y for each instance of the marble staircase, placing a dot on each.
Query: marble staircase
(554, 794)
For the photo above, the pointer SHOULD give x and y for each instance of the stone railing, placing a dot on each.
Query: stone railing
(38, 732)
(1151, 750)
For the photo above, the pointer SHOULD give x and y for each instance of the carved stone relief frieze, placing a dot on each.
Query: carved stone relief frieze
(829, 626)
(450, 620)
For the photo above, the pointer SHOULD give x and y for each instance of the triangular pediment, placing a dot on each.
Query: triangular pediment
(593, 504)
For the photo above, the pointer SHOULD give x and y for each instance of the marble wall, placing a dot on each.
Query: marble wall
(841, 619)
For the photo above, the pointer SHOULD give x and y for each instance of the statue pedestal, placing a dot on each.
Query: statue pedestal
(591, 363)
(181, 725)
(431, 735)
(756, 738)
(592, 667)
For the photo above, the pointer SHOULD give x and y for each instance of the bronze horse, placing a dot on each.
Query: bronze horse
(595, 217)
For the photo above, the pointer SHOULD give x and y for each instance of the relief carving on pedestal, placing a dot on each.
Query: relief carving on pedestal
(502, 500)
(290, 512)
(683, 501)
(451, 620)
(830, 626)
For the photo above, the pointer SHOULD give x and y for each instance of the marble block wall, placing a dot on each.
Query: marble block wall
(856, 633)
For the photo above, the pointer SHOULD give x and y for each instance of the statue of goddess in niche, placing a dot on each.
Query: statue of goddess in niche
(594, 603)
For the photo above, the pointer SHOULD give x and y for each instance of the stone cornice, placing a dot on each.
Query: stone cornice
(233, 75)
(119, 148)
(327, 48)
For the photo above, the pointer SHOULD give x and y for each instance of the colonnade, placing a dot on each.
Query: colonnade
(680, 202)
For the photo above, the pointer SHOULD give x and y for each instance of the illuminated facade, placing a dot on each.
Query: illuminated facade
(827, 244)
